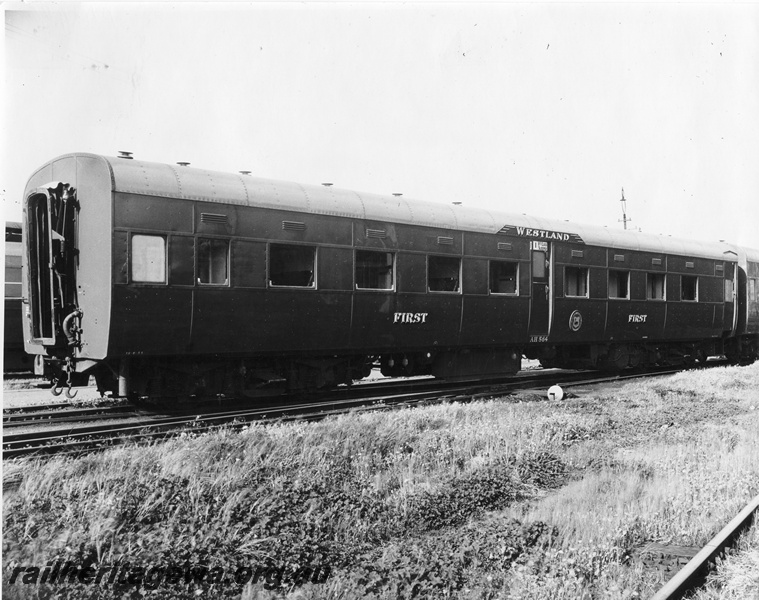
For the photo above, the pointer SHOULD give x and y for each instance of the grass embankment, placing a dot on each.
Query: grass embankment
(499, 499)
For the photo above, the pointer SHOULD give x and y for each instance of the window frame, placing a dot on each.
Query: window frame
(386, 253)
(228, 280)
(695, 291)
(650, 274)
(587, 281)
(314, 272)
(459, 285)
(515, 263)
(608, 291)
(162, 237)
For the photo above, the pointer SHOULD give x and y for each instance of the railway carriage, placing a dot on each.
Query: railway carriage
(14, 357)
(167, 280)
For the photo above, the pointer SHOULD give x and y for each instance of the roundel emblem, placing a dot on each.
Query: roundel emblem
(575, 321)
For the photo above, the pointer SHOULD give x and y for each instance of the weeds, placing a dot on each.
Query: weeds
(487, 500)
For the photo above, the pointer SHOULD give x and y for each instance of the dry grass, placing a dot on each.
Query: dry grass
(495, 499)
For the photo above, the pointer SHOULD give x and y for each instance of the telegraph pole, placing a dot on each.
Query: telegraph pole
(624, 218)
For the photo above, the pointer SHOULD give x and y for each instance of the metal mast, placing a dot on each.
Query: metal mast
(624, 218)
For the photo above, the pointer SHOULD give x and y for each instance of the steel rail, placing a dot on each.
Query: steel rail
(25, 419)
(12, 410)
(140, 434)
(42, 415)
(59, 440)
(39, 415)
(693, 574)
(25, 443)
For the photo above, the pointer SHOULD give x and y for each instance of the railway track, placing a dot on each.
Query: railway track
(45, 414)
(69, 430)
(693, 574)
(67, 412)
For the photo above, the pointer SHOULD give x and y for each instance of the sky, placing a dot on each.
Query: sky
(548, 109)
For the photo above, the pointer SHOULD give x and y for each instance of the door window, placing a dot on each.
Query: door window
(538, 265)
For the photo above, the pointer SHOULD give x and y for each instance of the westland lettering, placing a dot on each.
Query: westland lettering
(542, 233)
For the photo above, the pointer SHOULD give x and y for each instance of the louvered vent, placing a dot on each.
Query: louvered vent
(577, 253)
(656, 261)
(376, 233)
(445, 241)
(619, 258)
(504, 246)
(689, 265)
(293, 226)
(213, 218)
(719, 268)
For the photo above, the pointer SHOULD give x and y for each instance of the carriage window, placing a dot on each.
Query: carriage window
(12, 275)
(538, 265)
(752, 289)
(576, 281)
(443, 274)
(655, 286)
(148, 257)
(729, 290)
(503, 277)
(374, 270)
(292, 266)
(619, 284)
(213, 261)
(689, 288)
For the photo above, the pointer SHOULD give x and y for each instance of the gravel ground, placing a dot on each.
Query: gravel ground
(34, 395)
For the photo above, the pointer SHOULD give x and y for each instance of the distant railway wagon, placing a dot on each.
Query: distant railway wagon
(14, 357)
(168, 280)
